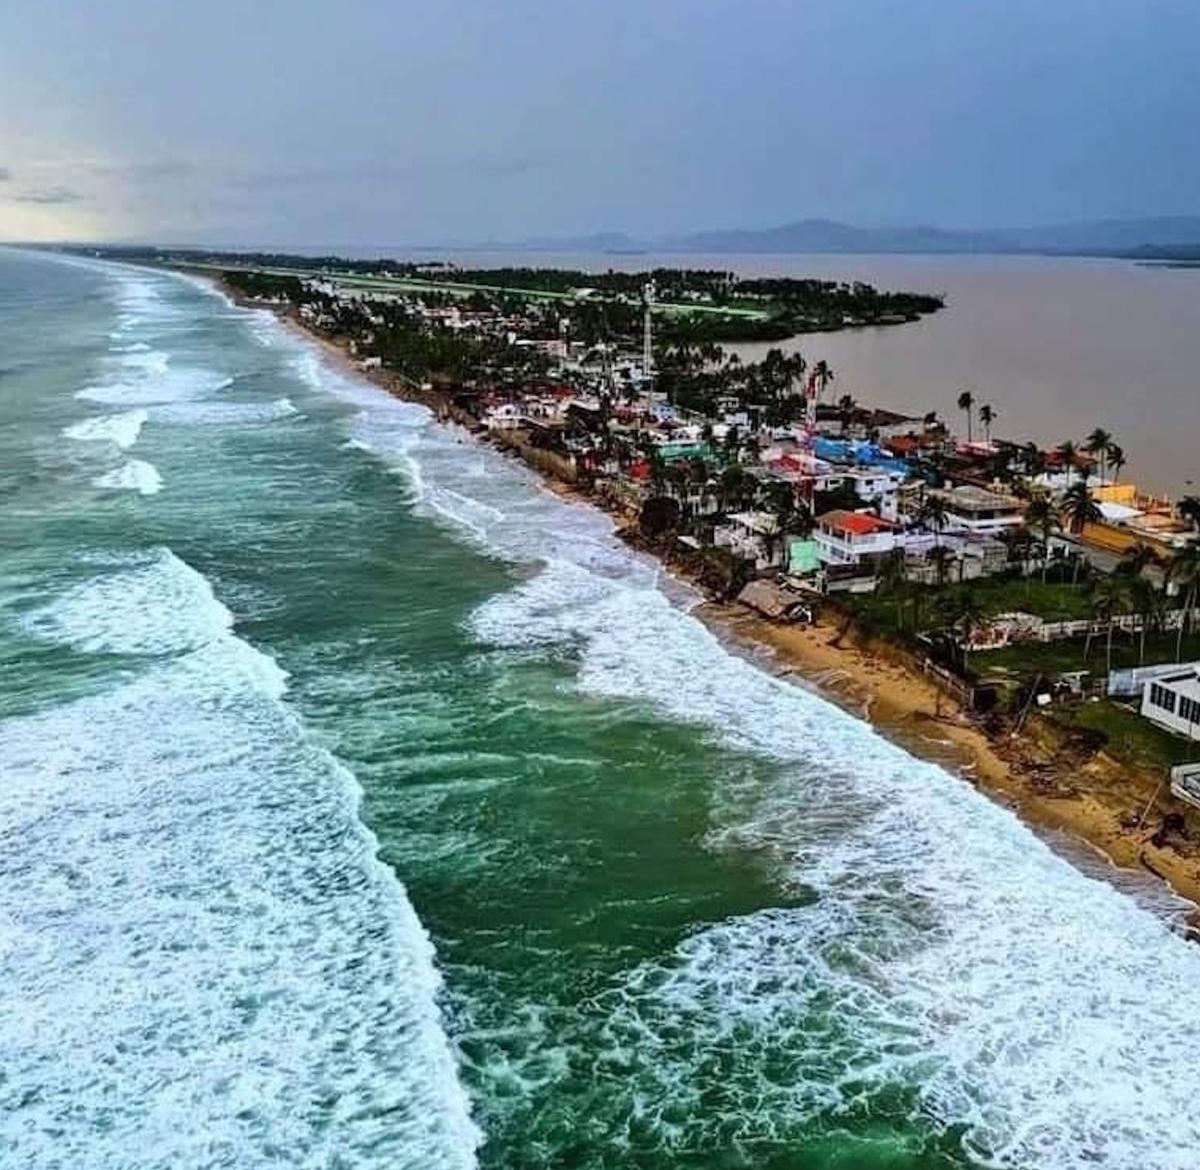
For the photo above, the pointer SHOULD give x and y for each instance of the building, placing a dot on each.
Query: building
(1132, 682)
(753, 536)
(508, 416)
(976, 510)
(879, 487)
(1173, 702)
(851, 538)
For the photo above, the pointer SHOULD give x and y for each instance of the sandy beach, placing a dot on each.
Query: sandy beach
(1110, 807)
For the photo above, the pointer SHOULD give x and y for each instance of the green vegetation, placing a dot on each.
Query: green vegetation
(693, 306)
(1126, 735)
(1052, 658)
(264, 284)
(905, 608)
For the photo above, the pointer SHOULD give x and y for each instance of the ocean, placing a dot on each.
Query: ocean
(366, 805)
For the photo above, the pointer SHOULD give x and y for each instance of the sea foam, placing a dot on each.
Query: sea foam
(196, 915)
(152, 388)
(120, 429)
(133, 475)
(944, 948)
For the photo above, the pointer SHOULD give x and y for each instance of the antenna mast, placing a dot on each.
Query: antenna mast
(648, 291)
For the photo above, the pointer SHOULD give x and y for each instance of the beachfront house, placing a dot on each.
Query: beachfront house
(507, 416)
(854, 538)
(754, 536)
(978, 511)
(1173, 702)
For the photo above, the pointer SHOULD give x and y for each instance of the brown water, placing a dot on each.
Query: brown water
(1056, 346)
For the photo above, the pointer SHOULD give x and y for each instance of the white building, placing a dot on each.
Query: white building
(877, 486)
(973, 509)
(1173, 702)
(849, 538)
(505, 417)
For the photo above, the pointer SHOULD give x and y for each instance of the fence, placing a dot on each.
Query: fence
(1130, 623)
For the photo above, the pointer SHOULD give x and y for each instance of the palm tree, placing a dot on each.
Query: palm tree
(823, 375)
(1032, 460)
(934, 514)
(846, 408)
(891, 578)
(987, 416)
(1184, 569)
(1136, 558)
(1147, 602)
(1067, 452)
(1040, 516)
(1080, 508)
(1097, 444)
(1116, 460)
(1108, 600)
(939, 554)
(966, 402)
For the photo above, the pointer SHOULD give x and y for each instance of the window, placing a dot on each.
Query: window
(1163, 698)
(1189, 710)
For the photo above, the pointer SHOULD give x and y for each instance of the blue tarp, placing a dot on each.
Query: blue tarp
(858, 452)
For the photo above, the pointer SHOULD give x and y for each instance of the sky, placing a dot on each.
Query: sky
(388, 122)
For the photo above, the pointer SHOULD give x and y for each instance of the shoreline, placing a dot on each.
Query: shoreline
(1095, 804)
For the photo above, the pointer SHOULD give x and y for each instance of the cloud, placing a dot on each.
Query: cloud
(48, 196)
(5, 175)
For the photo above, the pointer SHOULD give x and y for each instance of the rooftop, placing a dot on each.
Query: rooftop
(968, 498)
(1186, 682)
(764, 523)
(856, 523)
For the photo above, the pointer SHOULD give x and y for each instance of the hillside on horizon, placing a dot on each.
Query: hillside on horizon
(1164, 236)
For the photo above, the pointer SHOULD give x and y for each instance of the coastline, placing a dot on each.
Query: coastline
(1095, 804)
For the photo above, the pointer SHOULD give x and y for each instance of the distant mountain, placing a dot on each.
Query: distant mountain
(1105, 237)
(826, 235)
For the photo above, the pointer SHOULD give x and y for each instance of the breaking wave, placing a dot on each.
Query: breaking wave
(196, 915)
(960, 960)
(120, 429)
(133, 475)
(153, 388)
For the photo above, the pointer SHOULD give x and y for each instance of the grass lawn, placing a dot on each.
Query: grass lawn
(1128, 735)
(1057, 657)
(919, 604)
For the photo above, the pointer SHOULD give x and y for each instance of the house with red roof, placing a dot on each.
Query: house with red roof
(853, 538)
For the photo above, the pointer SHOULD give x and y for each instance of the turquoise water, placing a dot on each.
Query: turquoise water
(366, 806)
